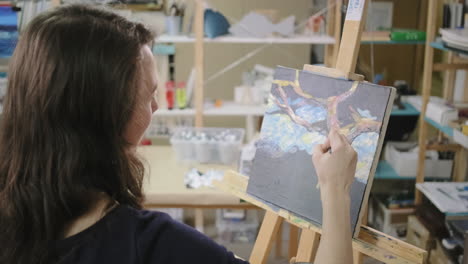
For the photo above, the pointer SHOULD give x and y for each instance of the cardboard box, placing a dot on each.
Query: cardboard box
(418, 235)
(405, 164)
(390, 221)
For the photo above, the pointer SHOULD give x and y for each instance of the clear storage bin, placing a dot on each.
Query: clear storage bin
(208, 145)
(236, 226)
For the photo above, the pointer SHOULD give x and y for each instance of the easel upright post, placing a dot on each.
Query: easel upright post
(333, 29)
(351, 38)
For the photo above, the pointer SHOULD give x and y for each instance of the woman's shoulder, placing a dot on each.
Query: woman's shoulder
(162, 239)
(130, 235)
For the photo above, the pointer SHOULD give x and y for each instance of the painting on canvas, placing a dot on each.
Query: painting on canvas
(302, 108)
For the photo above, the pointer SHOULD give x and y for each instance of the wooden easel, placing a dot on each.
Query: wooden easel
(369, 241)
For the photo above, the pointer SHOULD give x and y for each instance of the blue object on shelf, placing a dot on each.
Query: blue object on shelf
(378, 77)
(215, 24)
(8, 31)
(164, 49)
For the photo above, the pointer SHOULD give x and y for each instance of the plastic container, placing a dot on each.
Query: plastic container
(208, 145)
(173, 25)
(405, 162)
(236, 226)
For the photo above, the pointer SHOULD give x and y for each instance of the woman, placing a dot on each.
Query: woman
(80, 96)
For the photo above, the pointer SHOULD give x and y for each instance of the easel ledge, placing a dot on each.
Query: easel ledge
(369, 242)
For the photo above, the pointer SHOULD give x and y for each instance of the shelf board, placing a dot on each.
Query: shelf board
(393, 42)
(233, 109)
(228, 109)
(448, 131)
(385, 171)
(440, 46)
(318, 39)
(175, 112)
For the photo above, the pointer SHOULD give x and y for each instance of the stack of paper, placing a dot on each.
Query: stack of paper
(448, 197)
(437, 109)
(455, 38)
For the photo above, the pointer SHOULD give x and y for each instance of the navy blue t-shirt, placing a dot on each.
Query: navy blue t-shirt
(130, 236)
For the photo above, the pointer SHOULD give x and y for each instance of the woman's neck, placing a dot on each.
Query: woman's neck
(97, 211)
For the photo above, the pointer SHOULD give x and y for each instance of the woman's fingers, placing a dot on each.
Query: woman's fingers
(336, 140)
(325, 146)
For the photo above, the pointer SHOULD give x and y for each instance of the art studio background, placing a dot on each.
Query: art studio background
(419, 193)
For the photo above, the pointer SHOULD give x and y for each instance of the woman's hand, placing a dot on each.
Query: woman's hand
(335, 162)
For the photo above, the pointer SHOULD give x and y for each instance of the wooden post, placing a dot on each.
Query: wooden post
(459, 168)
(465, 88)
(358, 257)
(293, 243)
(333, 29)
(199, 61)
(426, 91)
(338, 19)
(266, 235)
(449, 79)
(279, 241)
(351, 39)
(418, 60)
(449, 83)
(308, 246)
(330, 26)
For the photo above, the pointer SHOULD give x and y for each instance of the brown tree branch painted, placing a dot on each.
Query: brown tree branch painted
(290, 112)
(360, 125)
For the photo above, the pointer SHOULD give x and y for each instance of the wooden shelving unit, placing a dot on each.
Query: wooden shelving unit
(453, 63)
(331, 41)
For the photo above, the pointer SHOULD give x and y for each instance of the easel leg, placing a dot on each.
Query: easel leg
(265, 238)
(293, 241)
(358, 257)
(279, 241)
(308, 246)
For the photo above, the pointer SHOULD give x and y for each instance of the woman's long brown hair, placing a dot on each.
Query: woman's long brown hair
(73, 83)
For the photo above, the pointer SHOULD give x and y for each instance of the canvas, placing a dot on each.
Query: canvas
(302, 108)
